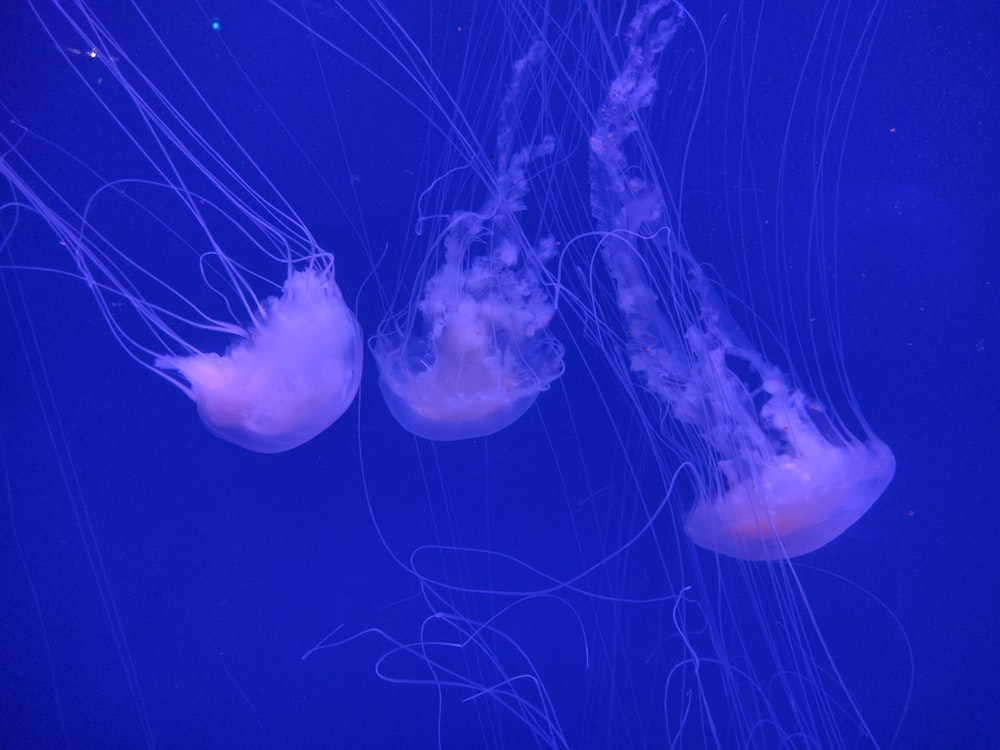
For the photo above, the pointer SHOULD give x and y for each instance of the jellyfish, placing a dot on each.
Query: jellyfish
(784, 477)
(474, 351)
(283, 357)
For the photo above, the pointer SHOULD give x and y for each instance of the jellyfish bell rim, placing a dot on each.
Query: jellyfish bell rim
(793, 506)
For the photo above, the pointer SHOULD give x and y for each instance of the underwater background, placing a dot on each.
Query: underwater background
(147, 563)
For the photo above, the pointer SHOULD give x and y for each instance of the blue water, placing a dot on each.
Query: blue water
(160, 586)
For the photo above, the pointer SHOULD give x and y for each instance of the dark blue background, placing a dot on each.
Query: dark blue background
(224, 566)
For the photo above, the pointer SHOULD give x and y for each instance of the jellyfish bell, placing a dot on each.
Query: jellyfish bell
(474, 388)
(292, 377)
(802, 491)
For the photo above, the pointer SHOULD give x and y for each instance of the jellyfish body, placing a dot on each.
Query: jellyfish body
(780, 478)
(483, 353)
(293, 376)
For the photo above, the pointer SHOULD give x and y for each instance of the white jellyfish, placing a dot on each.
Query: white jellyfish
(236, 304)
(474, 352)
(781, 476)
